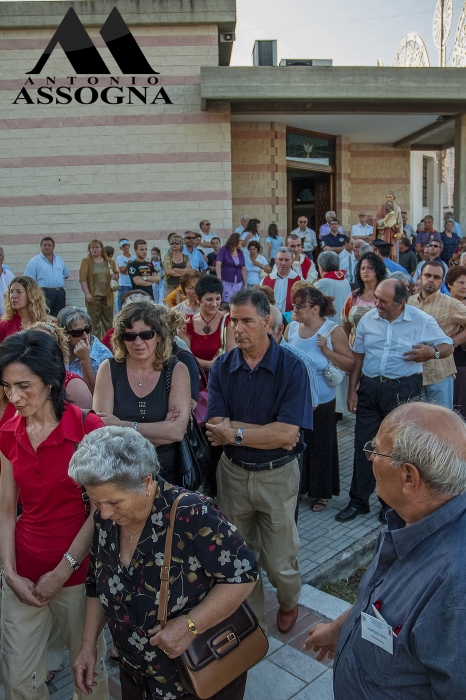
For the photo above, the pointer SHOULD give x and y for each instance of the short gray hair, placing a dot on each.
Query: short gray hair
(329, 261)
(439, 463)
(70, 314)
(365, 248)
(114, 455)
(250, 296)
(398, 275)
(285, 249)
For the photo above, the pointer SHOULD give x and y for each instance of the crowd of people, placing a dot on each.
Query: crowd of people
(262, 352)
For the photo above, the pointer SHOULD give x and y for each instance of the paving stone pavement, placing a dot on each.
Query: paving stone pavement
(288, 672)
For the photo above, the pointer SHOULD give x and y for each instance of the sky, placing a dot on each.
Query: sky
(351, 32)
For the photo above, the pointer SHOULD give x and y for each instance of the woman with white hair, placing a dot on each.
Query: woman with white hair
(119, 470)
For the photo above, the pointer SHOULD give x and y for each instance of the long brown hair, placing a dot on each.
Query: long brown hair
(233, 242)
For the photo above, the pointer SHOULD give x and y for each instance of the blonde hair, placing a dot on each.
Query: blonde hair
(37, 307)
(56, 332)
(95, 241)
(154, 316)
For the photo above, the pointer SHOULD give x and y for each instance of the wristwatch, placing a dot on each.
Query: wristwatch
(72, 562)
(437, 353)
(239, 436)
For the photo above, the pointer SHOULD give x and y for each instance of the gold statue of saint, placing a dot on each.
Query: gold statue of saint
(388, 225)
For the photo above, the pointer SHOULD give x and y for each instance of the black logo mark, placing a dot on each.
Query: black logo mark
(83, 55)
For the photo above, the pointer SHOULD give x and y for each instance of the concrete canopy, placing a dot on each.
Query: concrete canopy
(347, 91)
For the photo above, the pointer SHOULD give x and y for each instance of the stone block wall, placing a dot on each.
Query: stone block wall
(78, 172)
(375, 169)
(258, 167)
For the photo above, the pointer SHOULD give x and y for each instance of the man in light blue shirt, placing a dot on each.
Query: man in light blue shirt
(392, 341)
(50, 272)
(195, 256)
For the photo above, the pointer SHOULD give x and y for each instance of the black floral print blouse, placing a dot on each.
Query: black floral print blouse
(207, 550)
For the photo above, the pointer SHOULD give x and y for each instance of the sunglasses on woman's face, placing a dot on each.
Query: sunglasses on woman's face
(130, 337)
(79, 332)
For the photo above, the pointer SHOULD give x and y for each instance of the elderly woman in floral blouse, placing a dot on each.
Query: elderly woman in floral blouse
(118, 468)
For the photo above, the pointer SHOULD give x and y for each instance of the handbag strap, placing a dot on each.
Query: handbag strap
(329, 330)
(168, 378)
(165, 572)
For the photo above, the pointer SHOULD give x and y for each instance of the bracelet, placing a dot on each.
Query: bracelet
(73, 563)
(191, 625)
(134, 425)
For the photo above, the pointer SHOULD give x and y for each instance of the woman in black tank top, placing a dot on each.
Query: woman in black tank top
(132, 390)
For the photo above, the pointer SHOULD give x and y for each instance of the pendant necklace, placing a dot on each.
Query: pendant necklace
(134, 535)
(140, 381)
(207, 329)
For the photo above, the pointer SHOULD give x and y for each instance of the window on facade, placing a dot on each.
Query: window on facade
(310, 149)
(424, 182)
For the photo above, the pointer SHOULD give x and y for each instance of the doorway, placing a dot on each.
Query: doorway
(309, 194)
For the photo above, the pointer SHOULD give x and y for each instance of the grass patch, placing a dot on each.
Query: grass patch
(346, 589)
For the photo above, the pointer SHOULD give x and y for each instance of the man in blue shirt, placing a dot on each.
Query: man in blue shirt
(195, 256)
(259, 400)
(334, 240)
(404, 636)
(382, 249)
(50, 273)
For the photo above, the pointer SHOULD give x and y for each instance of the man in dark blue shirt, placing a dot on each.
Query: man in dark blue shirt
(259, 400)
(334, 240)
(404, 636)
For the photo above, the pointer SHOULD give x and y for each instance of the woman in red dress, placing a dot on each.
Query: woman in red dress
(24, 304)
(44, 552)
(208, 332)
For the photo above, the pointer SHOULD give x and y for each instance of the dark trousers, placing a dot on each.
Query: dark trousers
(55, 298)
(376, 399)
(130, 690)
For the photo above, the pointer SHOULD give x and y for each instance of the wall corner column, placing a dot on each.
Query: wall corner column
(343, 181)
(460, 169)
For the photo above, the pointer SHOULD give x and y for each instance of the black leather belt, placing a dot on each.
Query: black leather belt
(263, 466)
(52, 289)
(383, 379)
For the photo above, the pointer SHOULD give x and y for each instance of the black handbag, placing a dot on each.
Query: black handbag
(191, 456)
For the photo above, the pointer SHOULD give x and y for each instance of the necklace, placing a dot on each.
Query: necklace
(207, 329)
(133, 534)
(140, 381)
(3, 410)
(55, 423)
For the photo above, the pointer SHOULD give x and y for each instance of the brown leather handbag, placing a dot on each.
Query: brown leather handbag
(218, 656)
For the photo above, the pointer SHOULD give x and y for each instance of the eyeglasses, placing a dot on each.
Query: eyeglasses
(190, 238)
(175, 243)
(79, 332)
(298, 307)
(130, 337)
(207, 224)
(369, 451)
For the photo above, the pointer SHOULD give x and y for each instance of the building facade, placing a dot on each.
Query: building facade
(86, 155)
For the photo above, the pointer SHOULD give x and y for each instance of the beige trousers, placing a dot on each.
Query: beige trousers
(262, 506)
(25, 633)
(101, 316)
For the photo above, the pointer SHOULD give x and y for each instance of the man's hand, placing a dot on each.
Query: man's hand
(352, 400)
(419, 353)
(323, 638)
(22, 588)
(82, 350)
(83, 670)
(48, 586)
(220, 434)
(174, 639)
(89, 299)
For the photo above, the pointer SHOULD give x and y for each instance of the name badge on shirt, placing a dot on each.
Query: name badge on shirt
(377, 631)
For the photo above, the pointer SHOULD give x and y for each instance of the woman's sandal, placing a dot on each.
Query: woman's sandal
(319, 505)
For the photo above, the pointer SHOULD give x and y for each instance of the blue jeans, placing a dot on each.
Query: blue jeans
(440, 393)
(123, 289)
